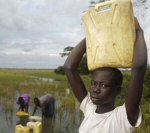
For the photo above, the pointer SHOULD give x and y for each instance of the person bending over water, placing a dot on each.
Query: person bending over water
(47, 105)
(23, 102)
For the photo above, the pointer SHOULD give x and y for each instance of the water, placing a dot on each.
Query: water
(67, 119)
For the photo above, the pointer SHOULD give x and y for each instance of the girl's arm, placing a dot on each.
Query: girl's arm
(139, 65)
(71, 66)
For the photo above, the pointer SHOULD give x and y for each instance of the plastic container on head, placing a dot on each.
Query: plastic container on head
(110, 34)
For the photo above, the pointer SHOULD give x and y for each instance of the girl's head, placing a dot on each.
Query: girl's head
(105, 85)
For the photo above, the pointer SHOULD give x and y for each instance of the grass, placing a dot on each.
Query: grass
(36, 83)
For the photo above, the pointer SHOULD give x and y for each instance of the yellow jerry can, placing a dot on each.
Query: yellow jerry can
(37, 128)
(110, 34)
(22, 113)
(22, 129)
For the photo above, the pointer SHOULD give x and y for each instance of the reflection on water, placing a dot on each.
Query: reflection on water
(22, 120)
(7, 120)
(38, 80)
(67, 118)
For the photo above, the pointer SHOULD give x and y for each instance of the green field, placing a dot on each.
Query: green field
(39, 82)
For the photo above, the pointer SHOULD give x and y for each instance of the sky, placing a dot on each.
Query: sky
(34, 32)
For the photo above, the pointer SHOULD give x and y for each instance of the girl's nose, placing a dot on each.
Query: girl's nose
(97, 89)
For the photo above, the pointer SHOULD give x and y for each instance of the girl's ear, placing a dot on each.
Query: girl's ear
(118, 90)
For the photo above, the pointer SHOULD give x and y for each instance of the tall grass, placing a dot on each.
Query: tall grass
(68, 116)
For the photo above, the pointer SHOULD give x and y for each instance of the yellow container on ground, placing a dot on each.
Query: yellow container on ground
(30, 125)
(22, 113)
(22, 129)
(110, 34)
(37, 128)
(36, 118)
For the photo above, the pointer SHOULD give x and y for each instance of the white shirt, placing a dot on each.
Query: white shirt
(115, 121)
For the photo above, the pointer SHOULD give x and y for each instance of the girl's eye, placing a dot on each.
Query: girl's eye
(98, 84)
(103, 85)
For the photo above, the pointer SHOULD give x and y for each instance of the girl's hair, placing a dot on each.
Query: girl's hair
(118, 77)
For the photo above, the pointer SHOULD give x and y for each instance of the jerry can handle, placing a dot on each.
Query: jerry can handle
(97, 6)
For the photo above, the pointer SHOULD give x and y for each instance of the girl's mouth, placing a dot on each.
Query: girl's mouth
(95, 98)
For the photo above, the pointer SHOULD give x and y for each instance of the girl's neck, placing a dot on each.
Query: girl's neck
(105, 108)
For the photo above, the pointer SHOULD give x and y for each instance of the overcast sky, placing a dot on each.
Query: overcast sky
(34, 32)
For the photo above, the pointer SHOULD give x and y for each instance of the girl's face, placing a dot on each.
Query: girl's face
(103, 89)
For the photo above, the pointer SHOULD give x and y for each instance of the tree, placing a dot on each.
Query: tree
(66, 51)
(82, 69)
(60, 70)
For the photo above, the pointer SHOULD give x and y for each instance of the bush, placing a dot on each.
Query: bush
(60, 70)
